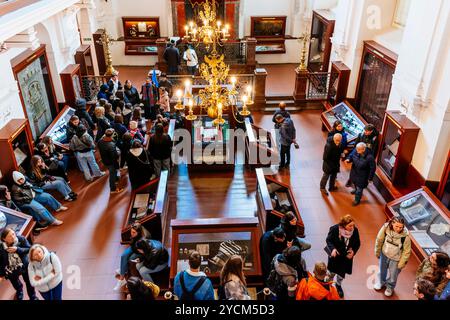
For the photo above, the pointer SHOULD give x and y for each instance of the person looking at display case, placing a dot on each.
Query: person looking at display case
(445, 295)
(338, 128)
(153, 258)
(424, 290)
(272, 242)
(434, 269)
(14, 262)
(331, 163)
(193, 284)
(393, 249)
(232, 280)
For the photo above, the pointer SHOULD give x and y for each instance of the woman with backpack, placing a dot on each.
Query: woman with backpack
(140, 167)
(45, 272)
(342, 244)
(232, 280)
(393, 249)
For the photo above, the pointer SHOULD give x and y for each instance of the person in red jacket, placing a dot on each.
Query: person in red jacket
(314, 287)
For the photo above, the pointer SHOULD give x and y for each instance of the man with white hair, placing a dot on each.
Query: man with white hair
(363, 170)
(331, 163)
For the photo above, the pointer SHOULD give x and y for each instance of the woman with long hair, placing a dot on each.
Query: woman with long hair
(39, 177)
(232, 280)
(160, 147)
(53, 160)
(434, 269)
(142, 290)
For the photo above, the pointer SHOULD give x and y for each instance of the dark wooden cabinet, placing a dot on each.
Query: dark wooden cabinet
(397, 146)
(270, 32)
(99, 51)
(148, 205)
(16, 145)
(83, 57)
(443, 192)
(322, 29)
(71, 82)
(140, 34)
(427, 220)
(375, 81)
(274, 200)
(340, 78)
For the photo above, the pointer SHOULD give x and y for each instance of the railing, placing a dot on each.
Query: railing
(319, 86)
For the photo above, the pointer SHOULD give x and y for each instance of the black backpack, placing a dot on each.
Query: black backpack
(190, 295)
(275, 281)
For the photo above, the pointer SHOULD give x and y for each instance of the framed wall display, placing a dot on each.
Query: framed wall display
(140, 35)
(274, 200)
(71, 81)
(57, 130)
(21, 223)
(216, 240)
(375, 81)
(427, 220)
(16, 144)
(270, 33)
(322, 29)
(397, 147)
(443, 192)
(31, 70)
(351, 120)
(148, 203)
(83, 57)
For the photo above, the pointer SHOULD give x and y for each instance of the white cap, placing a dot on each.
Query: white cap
(17, 176)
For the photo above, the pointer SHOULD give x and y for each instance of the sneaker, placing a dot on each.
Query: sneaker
(40, 227)
(324, 192)
(118, 190)
(120, 284)
(62, 208)
(57, 223)
(388, 292)
(340, 291)
(68, 198)
(378, 286)
(102, 173)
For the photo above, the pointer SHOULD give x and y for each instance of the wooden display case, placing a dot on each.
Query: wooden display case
(21, 223)
(320, 40)
(57, 130)
(340, 78)
(71, 82)
(261, 146)
(16, 145)
(270, 33)
(140, 34)
(269, 192)
(148, 203)
(352, 121)
(397, 146)
(427, 220)
(83, 57)
(216, 240)
(443, 192)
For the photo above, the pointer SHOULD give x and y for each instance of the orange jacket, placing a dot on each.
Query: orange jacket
(312, 289)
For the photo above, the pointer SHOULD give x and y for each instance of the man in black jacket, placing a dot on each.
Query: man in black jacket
(271, 243)
(331, 162)
(363, 170)
(14, 262)
(173, 58)
(110, 158)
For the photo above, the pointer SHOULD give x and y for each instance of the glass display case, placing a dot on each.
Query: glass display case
(397, 147)
(270, 33)
(140, 34)
(320, 41)
(216, 240)
(351, 120)
(57, 130)
(275, 199)
(427, 221)
(443, 192)
(21, 223)
(147, 204)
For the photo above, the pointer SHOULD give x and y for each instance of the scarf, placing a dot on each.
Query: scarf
(15, 264)
(147, 93)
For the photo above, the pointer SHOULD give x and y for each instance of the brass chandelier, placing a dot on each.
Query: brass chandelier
(221, 92)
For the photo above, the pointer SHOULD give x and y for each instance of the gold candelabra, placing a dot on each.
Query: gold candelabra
(304, 39)
(106, 42)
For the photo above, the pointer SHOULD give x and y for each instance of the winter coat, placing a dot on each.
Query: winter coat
(363, 168)
(313, 289)
(23, 247)
(49, 269)
(82, 113)
(235, 289)
(160, 150)
(102, 124)
(290, 230)
(268, 249)
(371, 141)
(206, 291)
(425, 269)
(284, 113)
(71, 130)
(132, 95)
(157, 256)
(391, 245)
(340, 264)
(344, 135)
(82, 144)
(111, 85)
(108, 153)
(120, 129)
(140, 167)
(287, 132)
(289, 275)
(103, 94)
(172, 56)
(23, 194)
(332, 157)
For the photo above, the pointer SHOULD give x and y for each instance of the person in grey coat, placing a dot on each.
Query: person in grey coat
(287, 136)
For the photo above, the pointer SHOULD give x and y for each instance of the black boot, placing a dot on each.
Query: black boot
(19, 295)
(340, 291)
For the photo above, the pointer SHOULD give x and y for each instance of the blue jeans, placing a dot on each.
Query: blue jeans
(65, 161)
(146, 272)
(386, 265)
(39, 212)
(47, 199)
(87, 163)
(126, 256)
(54, 294)
(59, 185)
